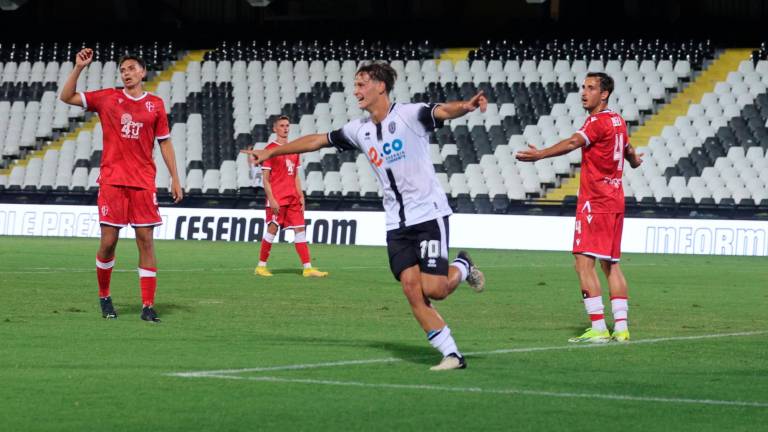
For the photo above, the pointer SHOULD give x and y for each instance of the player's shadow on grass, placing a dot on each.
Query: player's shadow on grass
(286, 271)
(162, 308)
(408, 353)
(418, 354)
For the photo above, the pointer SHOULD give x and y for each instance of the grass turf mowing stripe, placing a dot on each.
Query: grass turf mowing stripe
(510, 391)
(224, 372)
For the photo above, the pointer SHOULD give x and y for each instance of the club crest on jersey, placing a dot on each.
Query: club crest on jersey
(104, 210)
(150, 106)
(392, 127)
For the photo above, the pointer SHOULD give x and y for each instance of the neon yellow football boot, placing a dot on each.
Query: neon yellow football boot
(621, 336)
(262, 271)
(592, 336)
(313, 272)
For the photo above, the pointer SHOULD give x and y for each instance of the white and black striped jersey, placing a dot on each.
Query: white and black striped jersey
(398, 151)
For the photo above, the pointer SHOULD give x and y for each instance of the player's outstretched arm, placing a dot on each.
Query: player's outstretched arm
(304, 144)
(634, 158)
(565, 146)
(68, 90)
(169, 157)
(452, 110)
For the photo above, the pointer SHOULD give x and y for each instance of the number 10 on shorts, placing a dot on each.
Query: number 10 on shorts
(430, 249)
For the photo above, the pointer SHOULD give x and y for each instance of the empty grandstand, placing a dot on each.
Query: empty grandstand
(709, 158)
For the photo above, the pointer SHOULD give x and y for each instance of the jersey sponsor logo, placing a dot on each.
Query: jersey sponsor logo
(616, 121)
(615, 182)
(130, 128)
(390, 152)
(373, 155)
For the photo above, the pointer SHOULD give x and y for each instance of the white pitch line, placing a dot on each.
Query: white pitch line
(511, 391)
(223, 372)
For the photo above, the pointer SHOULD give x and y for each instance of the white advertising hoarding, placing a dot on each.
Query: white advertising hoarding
(676, 236)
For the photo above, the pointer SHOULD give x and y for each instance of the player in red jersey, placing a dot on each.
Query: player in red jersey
(604, 145)
(285, 202)
(131, 120)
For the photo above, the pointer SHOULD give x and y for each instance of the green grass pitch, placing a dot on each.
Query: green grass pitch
(344, 353)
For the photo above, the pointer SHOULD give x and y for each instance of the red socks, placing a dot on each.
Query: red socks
(104, 275)
(266, 246)
(148, 282)
(300, 242)
(303, 250)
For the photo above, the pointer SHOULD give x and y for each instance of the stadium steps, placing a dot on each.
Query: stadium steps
(717, 71)
(179, 66)
(150, 86)
(569, 186)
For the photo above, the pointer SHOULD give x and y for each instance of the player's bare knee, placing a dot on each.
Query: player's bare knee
(579, 267)
(607, 266)
(144, 241)
(412, 289)
(437, 289)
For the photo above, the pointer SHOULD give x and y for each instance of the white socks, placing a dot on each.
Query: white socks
(619, 307)
(594, 307)
(463, 267)
(443, 341)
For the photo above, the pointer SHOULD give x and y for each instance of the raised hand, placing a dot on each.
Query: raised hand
(84, 57)
(478, 101)
(531, 155)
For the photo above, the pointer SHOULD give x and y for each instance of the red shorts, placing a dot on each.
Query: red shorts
(598, 235)
(123, 205)
(289, 216)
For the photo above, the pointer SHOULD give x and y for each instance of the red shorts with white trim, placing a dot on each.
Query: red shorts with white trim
(289, 216)
(121, 206)
(598, 235)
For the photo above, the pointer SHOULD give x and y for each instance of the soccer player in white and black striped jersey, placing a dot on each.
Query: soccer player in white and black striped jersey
(395, 139)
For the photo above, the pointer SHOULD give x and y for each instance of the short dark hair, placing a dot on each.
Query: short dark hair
(127, 57)
(277, 118)
(606, 82)
(380, 71)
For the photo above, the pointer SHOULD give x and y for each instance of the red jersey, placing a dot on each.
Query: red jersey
(130, 126)
(283, 170)
(602, 163)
